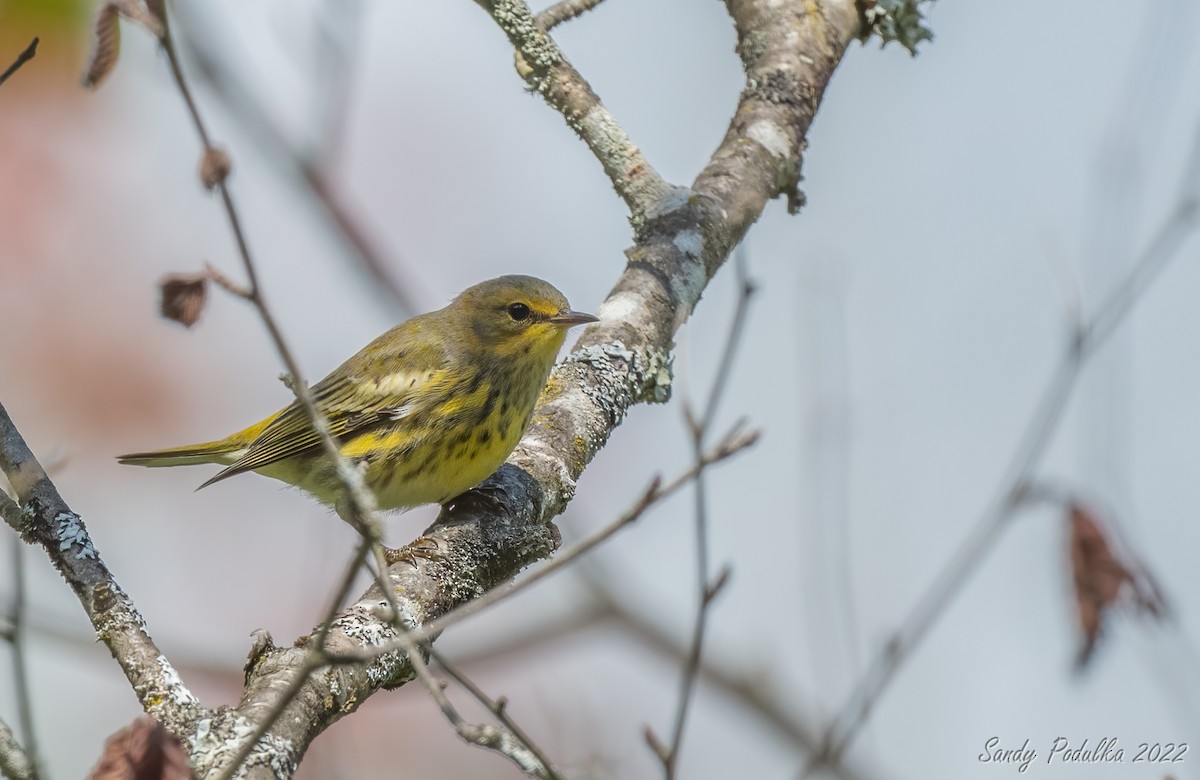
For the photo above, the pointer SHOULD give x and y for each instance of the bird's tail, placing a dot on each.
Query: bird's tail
(224, 452)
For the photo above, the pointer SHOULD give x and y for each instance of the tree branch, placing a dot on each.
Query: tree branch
(1012, 494)
(707, 590)
(564, 11)
(15, 634)
(211, 52)
(547, 72)
(25, 56)
(15, 763)
(46, 519)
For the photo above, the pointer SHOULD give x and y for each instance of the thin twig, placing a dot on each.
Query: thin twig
(733, 339)
(1010, 497)
(340, 48)
(564, 11)
(748, 687)
(16, 637)
(317, 659)
(361, 500)
(380, 267)
(707, 590)
(510, 741)
(548, 72)
(22, 58)
(11, 512)
(732, 443)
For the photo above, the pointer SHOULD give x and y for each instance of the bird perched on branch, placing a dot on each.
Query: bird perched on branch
(428, 410)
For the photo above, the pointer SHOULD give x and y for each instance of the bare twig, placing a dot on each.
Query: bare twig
(744, 686)
(15, 763)
(707, 590)
(22, 58)
(747, 687)
(361, 502)
(544, 68)
(564, 11)
(11, 512)
(340, 38)
(212, 52)
(316, 659)
(1163, 246)
(734, 442)
(509, 740)
(733, 340)
(16, 637)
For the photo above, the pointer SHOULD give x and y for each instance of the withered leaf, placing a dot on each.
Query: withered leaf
(1101, 579)
(143, 750)
(106, 34)
(159, 9)
(183, 297)
(214, 167)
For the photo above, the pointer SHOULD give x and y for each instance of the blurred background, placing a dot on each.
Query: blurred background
(962, 207)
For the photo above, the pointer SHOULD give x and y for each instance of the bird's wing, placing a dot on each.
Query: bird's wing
(352, 403)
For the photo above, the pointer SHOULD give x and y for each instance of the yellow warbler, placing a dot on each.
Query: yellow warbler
(429, 409)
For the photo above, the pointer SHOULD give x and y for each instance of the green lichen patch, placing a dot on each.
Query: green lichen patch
(902, 21)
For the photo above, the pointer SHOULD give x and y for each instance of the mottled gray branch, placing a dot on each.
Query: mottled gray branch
(564, 11)
(547, 72)
(15, 763)
(46, 519)
(460, 559)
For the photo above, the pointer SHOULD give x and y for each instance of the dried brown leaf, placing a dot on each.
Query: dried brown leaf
(183, 297)
(136, 11)
(143, 750)
(1101, 579)
(106, 34)
(214, 167)
(159, 9)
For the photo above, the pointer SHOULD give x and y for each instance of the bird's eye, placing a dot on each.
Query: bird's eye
(519, 311)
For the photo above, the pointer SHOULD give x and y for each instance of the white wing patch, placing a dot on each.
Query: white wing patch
(398, 382)
(400, 412)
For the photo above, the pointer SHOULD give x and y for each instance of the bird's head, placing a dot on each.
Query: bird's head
(515, 316)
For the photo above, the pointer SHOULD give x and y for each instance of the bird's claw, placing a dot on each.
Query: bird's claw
(421, 548)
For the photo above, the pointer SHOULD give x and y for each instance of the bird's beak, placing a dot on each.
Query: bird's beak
(569, 319)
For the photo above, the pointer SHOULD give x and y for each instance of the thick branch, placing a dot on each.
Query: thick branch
(15, 763)
(48, 521)
(459, 561)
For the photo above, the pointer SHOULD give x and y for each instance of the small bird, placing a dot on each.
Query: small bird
(428, 410)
